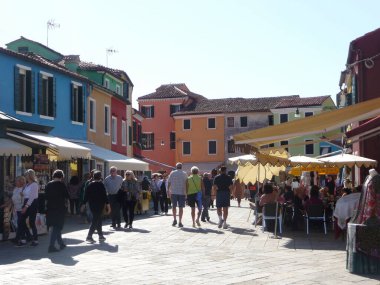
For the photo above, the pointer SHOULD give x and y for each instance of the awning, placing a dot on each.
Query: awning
(154, 162)
(64, 149)
(122, 162)
(318, 124)
(9, 147)
(203, 166)
(366, 129)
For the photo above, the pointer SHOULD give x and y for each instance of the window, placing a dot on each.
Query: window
(107, 119)
(123, 133)
(77, 103)
(283, 118)
(211, 147)
(230, 146)
(92, 111)
(172, 140)
(309, 147)
(118, 89)
(147, 141)
(243, 122)
(230, 122)
(211, 123)
(175, 108)
(270, 120)
(125, 90)
(324, 150)
(114, 130)
(46, 95)
(271, 145)
(186, 148)
(24, 89)
(130, 135)
(107, 83)
(148, 111)
(309, 114)
(285, 143)
(186, 124)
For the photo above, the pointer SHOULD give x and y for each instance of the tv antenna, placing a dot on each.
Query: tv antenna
(50, 25)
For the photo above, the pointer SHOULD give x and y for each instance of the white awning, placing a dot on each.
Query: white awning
(203, 166)
(64, 149)
(122, 162)
(9, 147)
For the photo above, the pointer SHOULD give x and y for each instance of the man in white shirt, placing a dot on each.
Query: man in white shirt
(177, 192)
(113, 184)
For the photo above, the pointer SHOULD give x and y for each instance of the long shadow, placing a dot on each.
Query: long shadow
(243, 231)
(202, 231)
(64, 257)
(134, 230)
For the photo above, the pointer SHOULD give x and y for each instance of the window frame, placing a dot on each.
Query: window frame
(77, 103)
(92, 115)
(123, 132)
(208, 123)
(287, 118)
(208, 147)
(241, 123)
(183, 148)
(148, 114)
(144, 145)
(107, 83)
(107, 120)
(233, 122)
(311, 113)
(114, 130)
(46, 96)
(118, 89)
(24, 83)
(183, 124)
(309, 146)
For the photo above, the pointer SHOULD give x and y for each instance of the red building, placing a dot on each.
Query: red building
(359, 83)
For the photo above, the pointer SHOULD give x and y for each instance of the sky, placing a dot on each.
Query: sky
(218, 48)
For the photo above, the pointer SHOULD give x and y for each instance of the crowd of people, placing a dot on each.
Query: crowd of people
(118, 197)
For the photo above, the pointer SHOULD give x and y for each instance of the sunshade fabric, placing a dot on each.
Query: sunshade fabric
(349, 160)
(9, 147)
(273, 159)
(322, 170)
(367, 128)
(66, 150)
(320, 123)
(301, 160)
(122, 162)
(253, 173)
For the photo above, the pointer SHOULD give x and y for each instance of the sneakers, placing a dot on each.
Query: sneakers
(102, 238)
(52, 249)
(180, 225)
(225, 226)
(174, 223)
(21, 244)
(90, 239)
(34, 243)
(220, 224)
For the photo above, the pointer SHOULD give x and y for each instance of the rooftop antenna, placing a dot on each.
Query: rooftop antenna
(108, 52)
(50, 25)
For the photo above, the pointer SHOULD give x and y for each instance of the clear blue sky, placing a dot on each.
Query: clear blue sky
(219, 48)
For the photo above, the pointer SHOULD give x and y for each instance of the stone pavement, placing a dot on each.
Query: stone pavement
(154, 252)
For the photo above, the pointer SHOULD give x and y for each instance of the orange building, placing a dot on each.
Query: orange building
(159, 139)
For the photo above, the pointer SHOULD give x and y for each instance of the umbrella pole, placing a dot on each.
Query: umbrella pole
(275, 224)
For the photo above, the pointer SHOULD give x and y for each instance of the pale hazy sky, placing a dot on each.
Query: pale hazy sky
(219, 48)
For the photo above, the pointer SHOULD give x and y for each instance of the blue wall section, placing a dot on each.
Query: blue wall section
(63, 127)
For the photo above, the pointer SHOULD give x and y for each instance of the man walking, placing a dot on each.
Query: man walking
(177, 192)
(223, 186)
(113, 184)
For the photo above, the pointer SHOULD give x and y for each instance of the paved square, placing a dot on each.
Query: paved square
(154, 252)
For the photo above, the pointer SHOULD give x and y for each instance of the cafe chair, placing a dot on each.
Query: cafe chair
(315, 213)
(269, 213)
(258, 212)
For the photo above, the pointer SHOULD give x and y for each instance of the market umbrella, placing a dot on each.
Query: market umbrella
(349, 160)
(301, 160)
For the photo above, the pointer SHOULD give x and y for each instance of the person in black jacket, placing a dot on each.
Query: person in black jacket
(96, 196)
(56, 195)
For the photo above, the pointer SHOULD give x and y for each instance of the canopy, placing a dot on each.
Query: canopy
(372, 127)
(317, 124)
(122, 162)
(322, 170)
(9, 147)
(64, 149)
(349, 160)
(301, 160)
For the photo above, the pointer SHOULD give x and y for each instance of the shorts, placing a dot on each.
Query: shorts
(178, 200)
(194, 198)
(222, 199)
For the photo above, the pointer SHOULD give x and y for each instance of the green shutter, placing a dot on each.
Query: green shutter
(72, 101)
(17, 89)
(40, 95)
(80, 104)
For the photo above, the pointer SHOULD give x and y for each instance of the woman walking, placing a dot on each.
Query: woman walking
(74, 191)
(194, 189)
(131, 194)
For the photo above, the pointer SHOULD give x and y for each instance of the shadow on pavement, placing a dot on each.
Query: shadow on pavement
(243, 231)
(136, 230)
(201, 231)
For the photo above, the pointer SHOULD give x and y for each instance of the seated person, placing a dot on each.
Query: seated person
(269, 195)
(314, 197)
(288, 195)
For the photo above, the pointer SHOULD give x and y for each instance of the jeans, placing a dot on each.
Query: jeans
(115, 209)
(164, 203)
(129, 211)
(96, 224)
(56, 235)
(74, 203)
(22, 229)
(206, 204)
(156, 198)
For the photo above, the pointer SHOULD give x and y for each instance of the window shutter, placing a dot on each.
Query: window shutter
(143, 110)
(130, 135)
(72, 101)
(152, 113)
(30, 91)
(17, 89)
(54, 97)
(81, 110)
(40, 97)
(125, 90)
(139, 135)
(171, 109)
(152, 142)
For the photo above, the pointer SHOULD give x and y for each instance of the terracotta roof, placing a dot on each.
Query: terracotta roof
(302, 102)
(43, 61)
(97, 67)
(46, 47)
(233, 105)
(179, 90)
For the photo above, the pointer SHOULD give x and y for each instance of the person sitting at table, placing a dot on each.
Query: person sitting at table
(299, 198)
(269, 195)
(314, 198)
